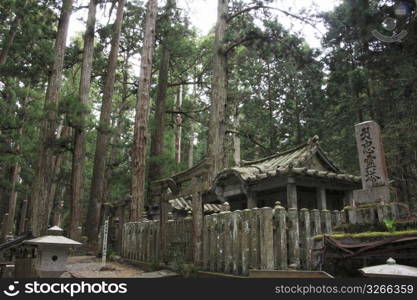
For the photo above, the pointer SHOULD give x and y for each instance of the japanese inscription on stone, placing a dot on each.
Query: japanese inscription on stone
(371, 155)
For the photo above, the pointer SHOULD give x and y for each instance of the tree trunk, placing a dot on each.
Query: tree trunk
(77, 180)
(59, 209)
(39, 201)
(191, 146)
(115, 140)
(53, 203)
(103, 135)
(236, 137)
(178, 127)
(219, 93)
(157, 140)
(13, 196)
(142, 116)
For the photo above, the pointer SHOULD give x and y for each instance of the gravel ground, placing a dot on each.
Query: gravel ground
(90, 267)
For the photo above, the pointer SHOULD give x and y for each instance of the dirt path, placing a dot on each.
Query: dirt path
(91, 267)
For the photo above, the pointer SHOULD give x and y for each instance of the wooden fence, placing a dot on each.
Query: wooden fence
(258, 238)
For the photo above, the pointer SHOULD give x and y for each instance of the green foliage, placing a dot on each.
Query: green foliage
(389, 224)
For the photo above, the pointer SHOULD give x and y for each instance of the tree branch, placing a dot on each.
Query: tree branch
(274, 8)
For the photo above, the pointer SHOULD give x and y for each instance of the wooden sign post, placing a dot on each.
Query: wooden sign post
(105, 235)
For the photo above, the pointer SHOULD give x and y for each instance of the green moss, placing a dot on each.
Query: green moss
(368, 234)
(368, 205)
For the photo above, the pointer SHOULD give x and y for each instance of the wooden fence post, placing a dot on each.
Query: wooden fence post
(254, 239)
(305, 239)
(236, 242)
(220, 243)
(336, 218)
(213, 243)
(326, 221)
(293, 238)
(267, 238)
(206, 242)
(245, 241)
(316, 221)
(197, 205)
(228, 242)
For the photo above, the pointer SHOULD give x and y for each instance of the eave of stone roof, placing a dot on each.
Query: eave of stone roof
(184, 203)
(288, 163)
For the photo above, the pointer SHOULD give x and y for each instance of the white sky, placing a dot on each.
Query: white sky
(203, 16)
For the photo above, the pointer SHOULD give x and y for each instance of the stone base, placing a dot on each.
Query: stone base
(375, 195)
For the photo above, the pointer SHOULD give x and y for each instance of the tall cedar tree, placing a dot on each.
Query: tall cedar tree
(157, 139)
(103, 135)
(39, 215)
(142, 116)
(78, 158)
(218, 90)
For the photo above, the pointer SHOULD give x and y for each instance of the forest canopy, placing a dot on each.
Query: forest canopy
(74, 112)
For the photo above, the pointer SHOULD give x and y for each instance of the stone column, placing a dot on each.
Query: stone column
(321, 198)
(291, 193)
(252, 201)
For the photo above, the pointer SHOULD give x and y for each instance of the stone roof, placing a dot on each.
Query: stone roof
(184, 203)
(308, 159)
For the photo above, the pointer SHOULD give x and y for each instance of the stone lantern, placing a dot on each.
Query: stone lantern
(390, 269)
(52, 253)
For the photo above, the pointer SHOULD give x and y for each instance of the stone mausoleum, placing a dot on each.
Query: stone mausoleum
(302, 177)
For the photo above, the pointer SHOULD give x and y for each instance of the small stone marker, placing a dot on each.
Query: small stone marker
(105, 235)
(372, 164)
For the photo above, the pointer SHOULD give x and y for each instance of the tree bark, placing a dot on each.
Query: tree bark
(53, 203)
(140, 138)
(157, 140)
(219, 94)
(191, 146)
(178, 126)
(13, 196)
(103, 134)
(39, 205)
(78, 162)
(236, 138)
